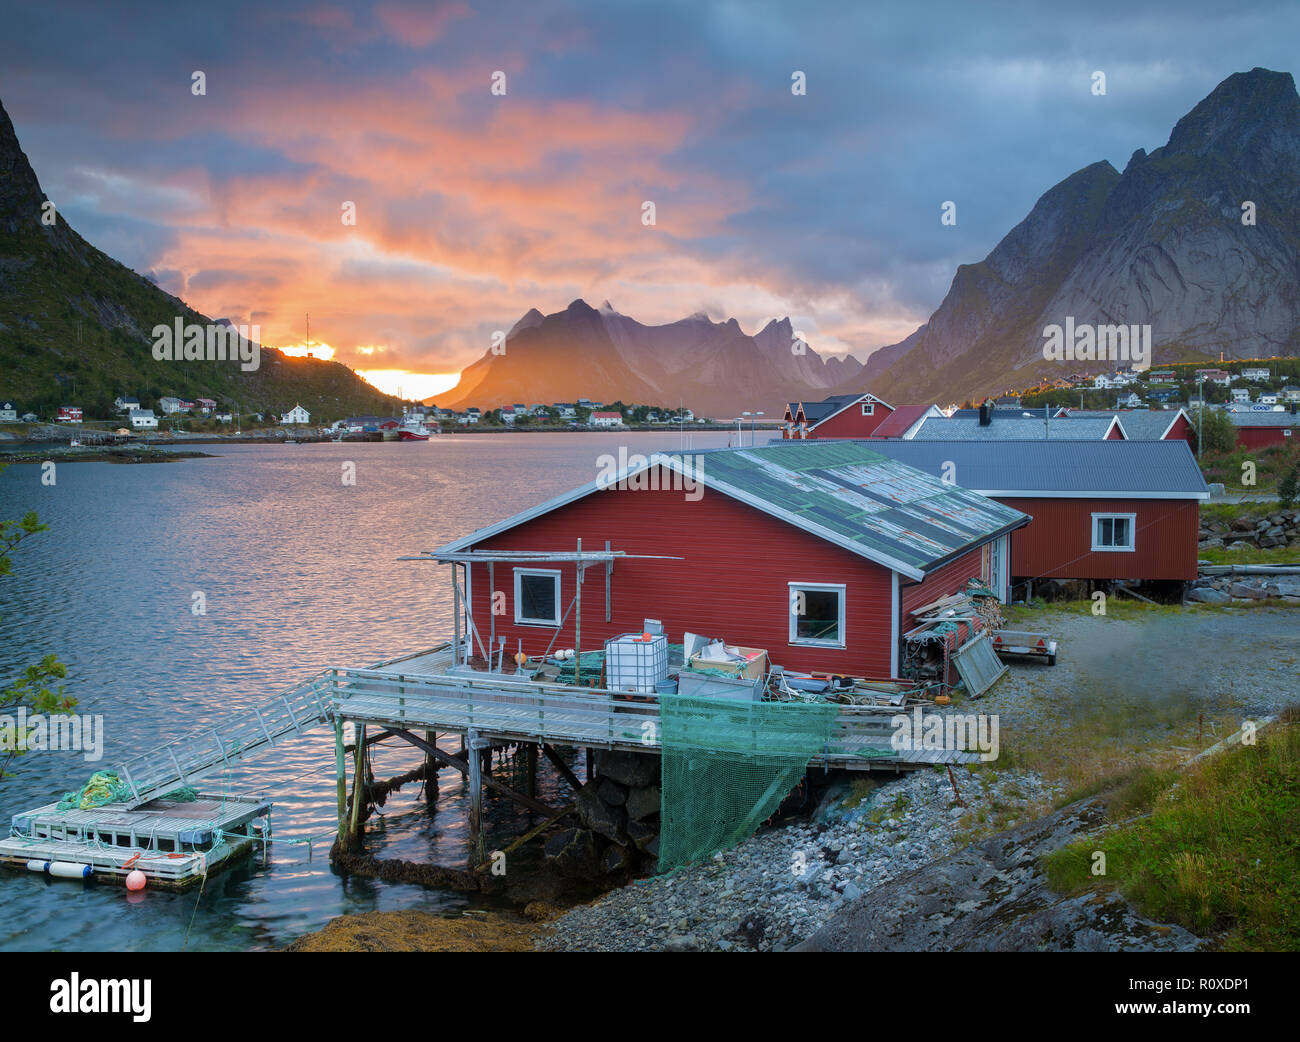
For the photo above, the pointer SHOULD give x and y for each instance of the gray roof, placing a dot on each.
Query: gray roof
(1138, 424)
(947, 428)
(1265, 419)
(842, 491)
(1059, 469)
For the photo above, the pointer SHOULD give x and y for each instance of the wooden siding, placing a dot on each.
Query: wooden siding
(731, 583)
(1263, 437)
(850, 423)
(1057, 544)
(1182, 430)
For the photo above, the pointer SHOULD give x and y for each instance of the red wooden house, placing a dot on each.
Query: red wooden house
(814, 552)
(1258, 430)
(1101, 509)
(840, 416)
(69, 414)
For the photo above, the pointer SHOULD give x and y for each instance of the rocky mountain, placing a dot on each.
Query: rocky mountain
(1164, 243)
(715, 368)
(76, 326)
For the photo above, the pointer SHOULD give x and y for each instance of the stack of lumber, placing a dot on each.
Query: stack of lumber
(976, 602)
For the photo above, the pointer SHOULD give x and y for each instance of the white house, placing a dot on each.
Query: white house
(1258, 375)
(1267, 398)
(508, 414)
(1106, 382)
(566, 410)
(296, 415)
(170, 406)
(1291, 394)
(143, 419)
(606, 419)
(8, 412)
(126, 403)
(1132, 401)
(473, 414)
(224, 417)
(1240, 394)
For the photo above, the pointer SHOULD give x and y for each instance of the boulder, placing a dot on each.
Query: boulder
(573, 853)
(643, 834)
(643, 803)
(611, 792)
(1207, 595)
(599, 816)
(615, 859)
(631, 769)
(1245, 590)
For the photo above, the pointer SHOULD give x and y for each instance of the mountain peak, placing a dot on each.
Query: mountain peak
(20, 191)
(580, 307)
(1245, 106)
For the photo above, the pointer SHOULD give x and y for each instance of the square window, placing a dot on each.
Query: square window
(537, 597)
(1112, 531)
(868, 408)
(817, 614)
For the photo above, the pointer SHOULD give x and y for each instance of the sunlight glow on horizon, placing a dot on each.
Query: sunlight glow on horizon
(410, 386)
(313, 347)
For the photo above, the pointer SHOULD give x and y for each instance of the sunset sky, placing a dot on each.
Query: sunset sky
(472, 208)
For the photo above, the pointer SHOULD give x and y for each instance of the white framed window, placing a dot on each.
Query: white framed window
(1114, 532)
(817, 614)
(868, 408)
(537, 596)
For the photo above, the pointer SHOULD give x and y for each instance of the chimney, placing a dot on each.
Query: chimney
(986, 414)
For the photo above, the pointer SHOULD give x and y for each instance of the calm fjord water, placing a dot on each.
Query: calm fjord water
(298, 573)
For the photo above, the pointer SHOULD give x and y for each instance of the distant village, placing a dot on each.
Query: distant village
(1259, 400)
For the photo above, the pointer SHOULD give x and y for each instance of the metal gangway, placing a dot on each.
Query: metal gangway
(235, 737)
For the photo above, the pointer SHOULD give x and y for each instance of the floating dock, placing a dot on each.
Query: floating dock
(175, 844)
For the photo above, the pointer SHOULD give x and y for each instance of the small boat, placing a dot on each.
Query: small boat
(414, 429)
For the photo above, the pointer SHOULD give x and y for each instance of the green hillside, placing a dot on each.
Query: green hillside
(75, 327)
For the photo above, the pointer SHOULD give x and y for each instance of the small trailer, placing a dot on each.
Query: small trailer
(1022, 642)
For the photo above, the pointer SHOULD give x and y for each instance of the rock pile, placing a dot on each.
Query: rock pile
(1281, 528)
(618, 814)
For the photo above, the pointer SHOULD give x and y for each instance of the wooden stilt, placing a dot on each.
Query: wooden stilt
(475, 800)
(530, 769)
(358, 787)
(463, 765)
(340, 771)
(562, 767)
(430, 770)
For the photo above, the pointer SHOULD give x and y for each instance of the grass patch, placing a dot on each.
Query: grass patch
(1226, 513)
(1218, 850)
(1251, 555)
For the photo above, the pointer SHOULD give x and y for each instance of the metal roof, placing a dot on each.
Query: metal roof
(1265, 419)
(842, 491)
(1053, 469)
(1139, 424)
(964, 428)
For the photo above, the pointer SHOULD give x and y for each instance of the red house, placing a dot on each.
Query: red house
(1258, 430)
(814, 552)
(68, 414)
(840, 416)
(1101, 509)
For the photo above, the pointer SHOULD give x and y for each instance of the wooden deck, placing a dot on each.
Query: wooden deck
(426, 692)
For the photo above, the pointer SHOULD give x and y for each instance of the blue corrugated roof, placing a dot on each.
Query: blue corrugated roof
(1050, 469)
